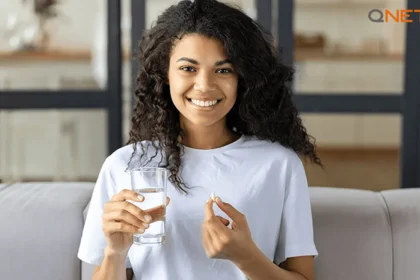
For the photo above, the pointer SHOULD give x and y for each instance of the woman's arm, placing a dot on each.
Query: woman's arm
(262, 268)
(113, 267)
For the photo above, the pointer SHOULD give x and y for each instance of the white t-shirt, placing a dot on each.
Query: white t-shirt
(263, 180)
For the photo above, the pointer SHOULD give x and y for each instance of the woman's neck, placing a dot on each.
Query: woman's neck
(207, 137)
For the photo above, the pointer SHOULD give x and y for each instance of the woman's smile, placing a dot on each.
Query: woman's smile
(204, 105)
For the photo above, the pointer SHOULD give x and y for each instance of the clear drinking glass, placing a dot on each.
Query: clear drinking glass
(150, 182)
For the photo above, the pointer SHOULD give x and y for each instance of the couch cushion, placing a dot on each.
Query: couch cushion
(41, 226)
(87, 268)
(404, 209)
(352, 233)
(87, 271)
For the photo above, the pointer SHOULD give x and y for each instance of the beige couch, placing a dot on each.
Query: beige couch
(360, 235)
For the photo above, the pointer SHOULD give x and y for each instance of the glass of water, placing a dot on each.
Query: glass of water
(150, 182)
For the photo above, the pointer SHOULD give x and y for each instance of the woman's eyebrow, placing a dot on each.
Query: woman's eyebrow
(190, 60)
(221, 62)
(193, 61)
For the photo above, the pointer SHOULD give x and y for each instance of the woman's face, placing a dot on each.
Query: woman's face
(202, 81)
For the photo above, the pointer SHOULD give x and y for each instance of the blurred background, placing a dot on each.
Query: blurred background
(66, 92)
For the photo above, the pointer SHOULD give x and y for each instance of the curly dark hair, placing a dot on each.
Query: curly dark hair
(264, 106)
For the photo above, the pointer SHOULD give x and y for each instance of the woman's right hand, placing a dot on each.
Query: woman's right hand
(121, 219)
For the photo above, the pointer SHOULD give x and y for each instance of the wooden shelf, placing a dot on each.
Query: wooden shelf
(50, 55)
(300, 55)
(303, 55)
(350, 150)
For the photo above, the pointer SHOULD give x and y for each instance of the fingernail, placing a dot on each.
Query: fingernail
(141, 230)
(140, 197)
(219, 200)
(148, 218)
(146, 225)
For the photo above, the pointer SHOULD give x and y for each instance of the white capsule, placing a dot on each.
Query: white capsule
(213, 196)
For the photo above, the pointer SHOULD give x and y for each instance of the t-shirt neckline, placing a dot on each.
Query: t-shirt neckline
(229, 146)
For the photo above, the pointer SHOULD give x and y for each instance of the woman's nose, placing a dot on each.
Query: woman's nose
(204, 83)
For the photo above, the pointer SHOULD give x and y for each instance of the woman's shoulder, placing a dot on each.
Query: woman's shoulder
(270, 149)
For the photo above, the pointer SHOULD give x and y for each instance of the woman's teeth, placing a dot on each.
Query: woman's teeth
(204, 103)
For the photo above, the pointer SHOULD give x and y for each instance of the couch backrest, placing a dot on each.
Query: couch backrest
(359, 234)
(366, 235)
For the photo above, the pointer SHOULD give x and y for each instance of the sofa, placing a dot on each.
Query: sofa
(360, 235)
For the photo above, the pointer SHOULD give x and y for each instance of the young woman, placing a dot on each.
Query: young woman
(214, 107)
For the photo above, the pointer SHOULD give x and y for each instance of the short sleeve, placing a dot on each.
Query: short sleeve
(296, 236)
(93, 242)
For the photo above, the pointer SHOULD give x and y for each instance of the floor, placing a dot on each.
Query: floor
(373, 169)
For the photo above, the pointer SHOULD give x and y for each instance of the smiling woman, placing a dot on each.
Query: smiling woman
(203, 85)
(214, 107)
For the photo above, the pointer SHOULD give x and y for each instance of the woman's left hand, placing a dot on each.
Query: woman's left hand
(221, 242)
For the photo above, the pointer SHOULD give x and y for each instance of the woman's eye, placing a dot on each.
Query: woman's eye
(224, 71)
(187, 68)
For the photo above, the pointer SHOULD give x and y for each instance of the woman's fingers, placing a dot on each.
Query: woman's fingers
(120, 209)
(130, 208)
(112, 227)
(223, 220)
(121, 215)
(158, 213)
(127, 195)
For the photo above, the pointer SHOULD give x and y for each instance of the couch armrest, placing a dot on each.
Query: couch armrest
(42, 226)
(404, 212)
